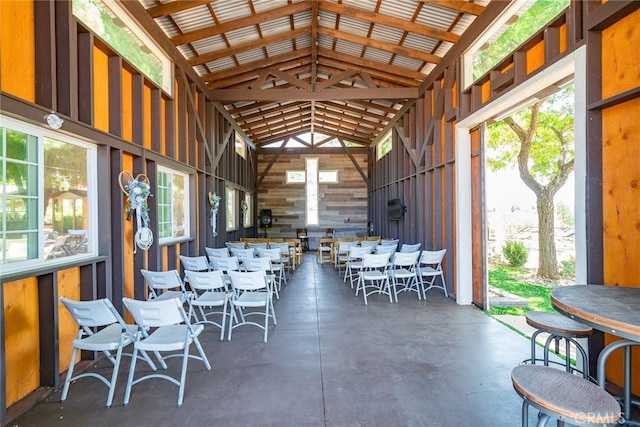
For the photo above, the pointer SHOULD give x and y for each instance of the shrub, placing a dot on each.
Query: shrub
(515, 252)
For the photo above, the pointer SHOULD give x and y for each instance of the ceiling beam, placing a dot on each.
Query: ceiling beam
(225, 95)
(390, 21)
(458, 6)
(258, 18)
(175, 7)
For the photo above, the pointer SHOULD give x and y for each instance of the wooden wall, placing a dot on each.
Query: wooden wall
(342, 206)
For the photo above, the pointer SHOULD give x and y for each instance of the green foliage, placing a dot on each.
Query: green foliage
(515, 252)
(537, 16)
(553, 138)
(507, 279)
(565, 215)
(568, 268)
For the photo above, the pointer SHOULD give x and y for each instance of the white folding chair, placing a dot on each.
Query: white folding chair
(286, 254)
(277, 264)
(210, 290)
(242, 254)
(217, 253)
(250, 289)
(410, 247)
(264, 264)
(369, 244)
(430, 267)
(374, 274)
(194, 263)
(165, 285)
(354, 263)
(257, 245)
(387, 249)
(403, 271)
(100, 328)
(172, 331)
(342, 254)
(235, 245)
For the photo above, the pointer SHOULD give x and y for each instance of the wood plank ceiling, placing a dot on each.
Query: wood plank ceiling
(336, 70)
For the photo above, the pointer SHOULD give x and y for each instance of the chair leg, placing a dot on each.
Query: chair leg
(183, 374)
(132, 370)
(114, 377)
(67, 381)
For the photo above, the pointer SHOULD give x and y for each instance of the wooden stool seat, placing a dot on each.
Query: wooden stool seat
(563, 396)
(559, 327)
(557, 323)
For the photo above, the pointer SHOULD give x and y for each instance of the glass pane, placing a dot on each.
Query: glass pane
(164, 205)
(312, 191)
(66, 199)
(21, 146)
(178, 206)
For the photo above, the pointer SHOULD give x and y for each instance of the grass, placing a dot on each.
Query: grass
(513, 280)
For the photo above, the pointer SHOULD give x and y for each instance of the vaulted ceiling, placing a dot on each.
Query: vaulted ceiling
(338, 70)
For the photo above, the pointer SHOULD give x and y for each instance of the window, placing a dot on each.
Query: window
(114, 26)
(241, 146)
(248, 210)
(328, 177)
(517, 23)
(231, 208)
(296, 177)
(384, 146)
(47, 196)
(173, 205)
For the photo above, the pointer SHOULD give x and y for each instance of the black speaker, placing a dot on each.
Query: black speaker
(265, 218)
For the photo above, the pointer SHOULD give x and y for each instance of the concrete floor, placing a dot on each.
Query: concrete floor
(330, 361)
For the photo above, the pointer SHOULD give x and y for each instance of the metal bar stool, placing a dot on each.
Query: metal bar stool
(563, 396)
(559, 328)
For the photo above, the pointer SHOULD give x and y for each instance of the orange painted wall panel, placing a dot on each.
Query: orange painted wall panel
(563, 38)
(68, 286)
(621, 56)
(535, 57)
(621, 218)
(100, 89)
(21, 338)
(17, 49)
(127, 118)
(127, 164)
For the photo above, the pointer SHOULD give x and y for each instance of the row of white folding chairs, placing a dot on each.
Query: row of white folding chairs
(403, 272)
(349, 250)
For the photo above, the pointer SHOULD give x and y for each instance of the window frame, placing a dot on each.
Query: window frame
(41, 134)
(162, 241)
(231, 208)
(248, 215)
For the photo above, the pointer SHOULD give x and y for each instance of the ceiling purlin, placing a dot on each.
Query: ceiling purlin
(248, 80)
(389, 21)
(246, 21)
(257, 107)
(390, 73)
(364, 121)
(415, 15)
(459, 6)
(175, 7)
(271, 124)
(244, 47)
(314, 58)
(342, 129)
(250, 70)
(385, 46)
(283, 118)
(355, 111)
(271, 109)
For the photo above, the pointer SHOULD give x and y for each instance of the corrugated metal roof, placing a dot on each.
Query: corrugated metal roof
(232, 42)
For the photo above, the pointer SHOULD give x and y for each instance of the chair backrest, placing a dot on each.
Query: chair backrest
(235, 245)
(258, 264)
(242, 253)
(369, 244)
(156, 313)
(389, 242)
(386, 249)
(217, 252)
(206, 280)
(410, 247)
(255, 246)
(344, 247)
(406, 259)
(325, 241)
(282, 246)
(273, 254)
(225, 264)
(90, 314)
(248, 280)
(160, 281)
(433, 258)
(371, 261)
(358, 252)
(194, 263)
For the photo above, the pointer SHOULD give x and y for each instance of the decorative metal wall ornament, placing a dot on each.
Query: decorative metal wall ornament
(243, 208)
(214, 201)
(137, 191)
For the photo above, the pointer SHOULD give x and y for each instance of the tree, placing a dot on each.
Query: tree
(539, 139)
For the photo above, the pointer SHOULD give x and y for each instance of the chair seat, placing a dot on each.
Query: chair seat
(557, 323)
(182, 296)
(402, 273)
(251, 299)
(106, 339)
(168, 338)
(373, 275)
(210, 298)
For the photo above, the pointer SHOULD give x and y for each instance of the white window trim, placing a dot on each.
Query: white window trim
(41, 133)
(290, 173)
(162, 241)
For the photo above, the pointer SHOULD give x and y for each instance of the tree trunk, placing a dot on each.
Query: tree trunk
(547, 264)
